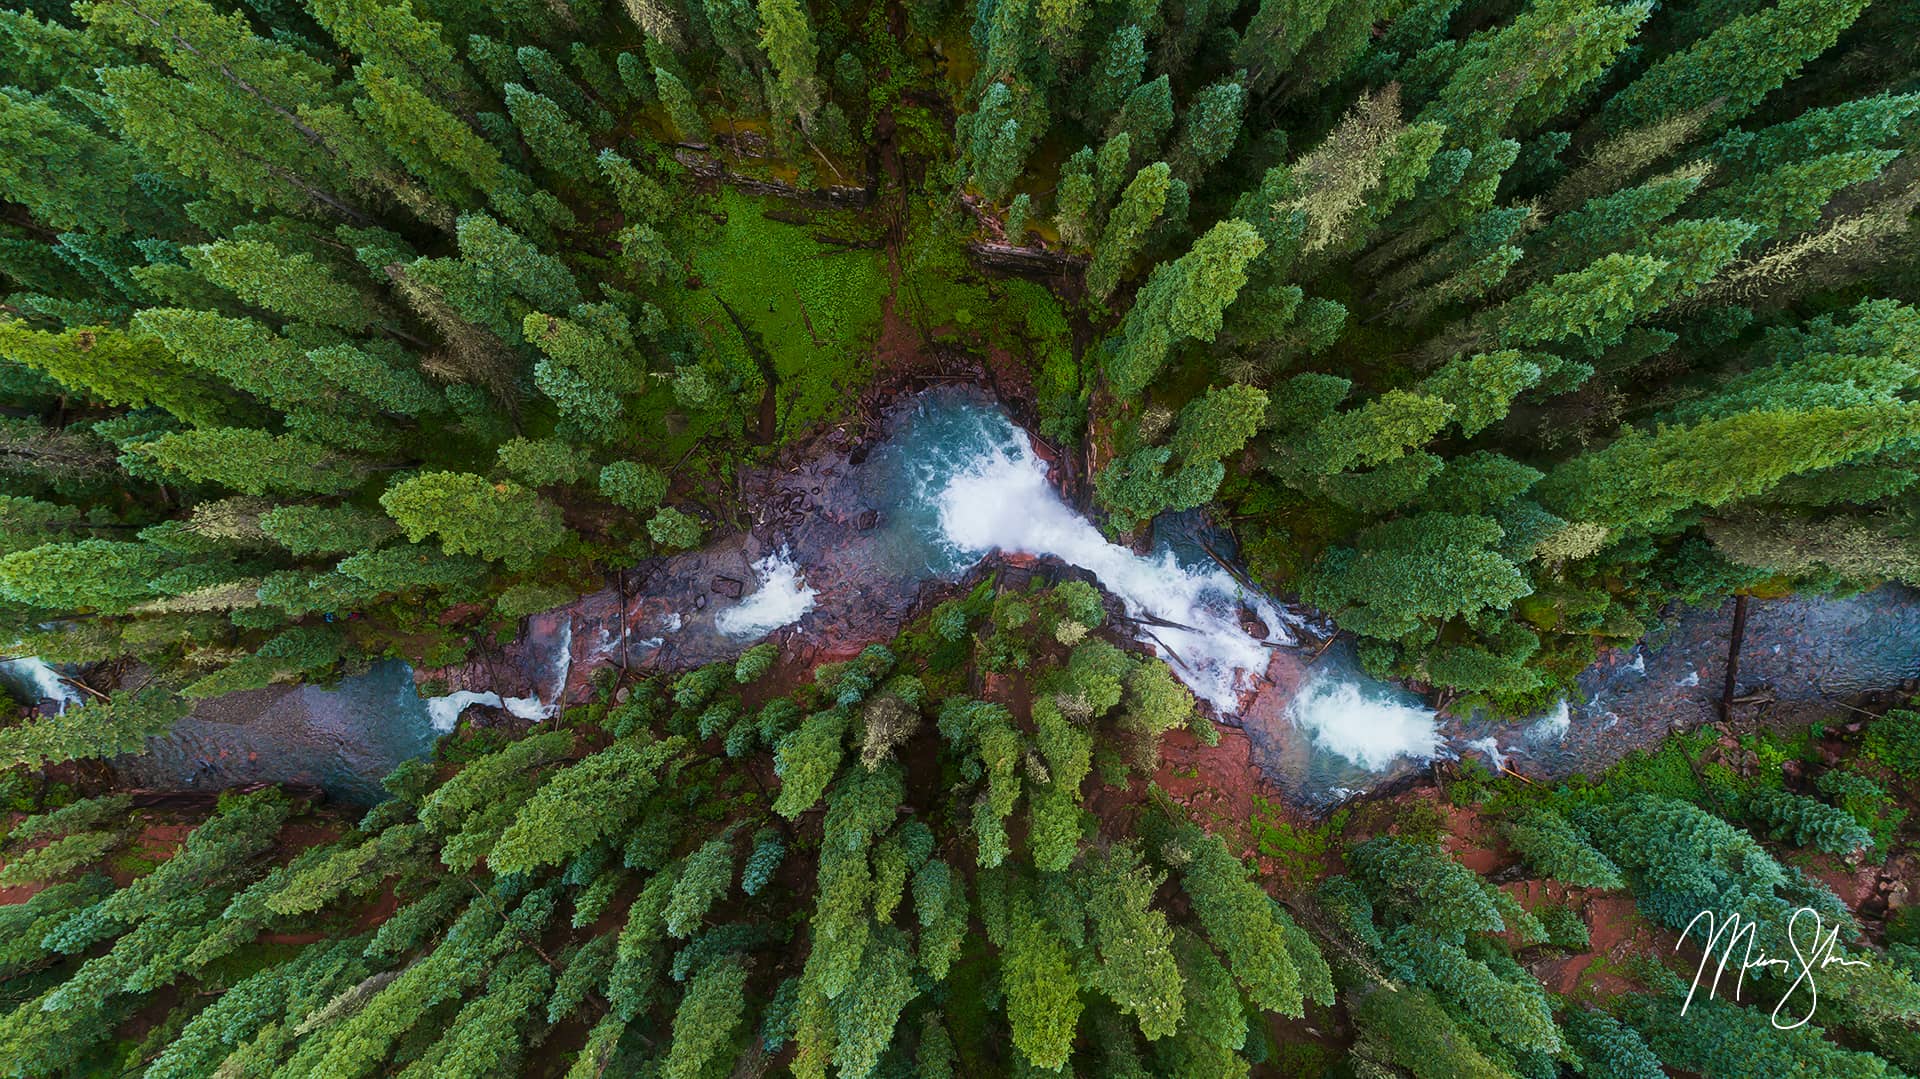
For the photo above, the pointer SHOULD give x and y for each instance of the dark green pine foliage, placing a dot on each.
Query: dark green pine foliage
(340, 329)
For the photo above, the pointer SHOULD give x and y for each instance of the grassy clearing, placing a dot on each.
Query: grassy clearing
(815, 306)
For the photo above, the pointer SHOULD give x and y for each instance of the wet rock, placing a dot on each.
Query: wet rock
(1252, 625)
(699, 603)
(729, 587)
(866, 520)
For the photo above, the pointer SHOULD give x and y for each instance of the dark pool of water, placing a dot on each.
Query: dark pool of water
(343, 739)
(1798, 652)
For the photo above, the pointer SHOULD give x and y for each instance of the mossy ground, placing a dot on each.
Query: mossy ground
(815, 306)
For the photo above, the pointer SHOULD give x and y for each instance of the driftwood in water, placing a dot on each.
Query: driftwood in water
(1233, 571)
(1155, 620)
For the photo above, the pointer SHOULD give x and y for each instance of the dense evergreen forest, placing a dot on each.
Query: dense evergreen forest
(341, 330)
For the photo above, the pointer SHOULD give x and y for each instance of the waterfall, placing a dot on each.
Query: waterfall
(1368, 723)
(1490, 746)
(35, 678)
(783, 596)
(444, 712)
(1552, 726)
(999, 499)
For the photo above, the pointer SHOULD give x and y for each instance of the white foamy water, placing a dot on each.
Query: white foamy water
(37, 678)
(444, 712)
(562, 666)
(1370, 729)
(1001, 501)
(783, 596)
(1553, 726)
(1490, 747)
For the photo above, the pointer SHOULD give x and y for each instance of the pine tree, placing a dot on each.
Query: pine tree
(435, 144)
(1805, 822)
(704, 1023)
(999, 151)
(1714, 461)
(507, 261)
(807, 760)
(1367, 165)
(788, 39)
(1209, 129)
(1075, 200)
(640, 198)
(1218, 423)
(1480, 388)
(1512, 79)
(1556, 848)
(674, 530)
(1862, 124)
(394, 37)
(1719, 1037)
(1516, 1014)
(590, 365)
(553, 81)
(1240, 919)
(579, 806)
(1135, 945)
(1275, 35)
(541, 462)
(764, 860)
(1043, 1005)
(682, 111)
(58, 169)
(1146, 116)
(252, 461)
(501, 522)
(1122, 64)
(116, 367)
(1727, 72)
(1185, 298)
(1432, 565)
(1605, 1046)
(633, 486)
(865, 1016)
(1791, 197)
(1126, 232)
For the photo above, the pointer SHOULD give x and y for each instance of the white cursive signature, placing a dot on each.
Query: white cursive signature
(1728, 936)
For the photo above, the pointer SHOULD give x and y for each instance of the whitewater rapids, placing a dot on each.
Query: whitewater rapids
(1000, 500)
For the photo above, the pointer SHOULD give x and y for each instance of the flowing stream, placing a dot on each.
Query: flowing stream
(956, 482)
(343, 739)
(32, 680)
(969, 483)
